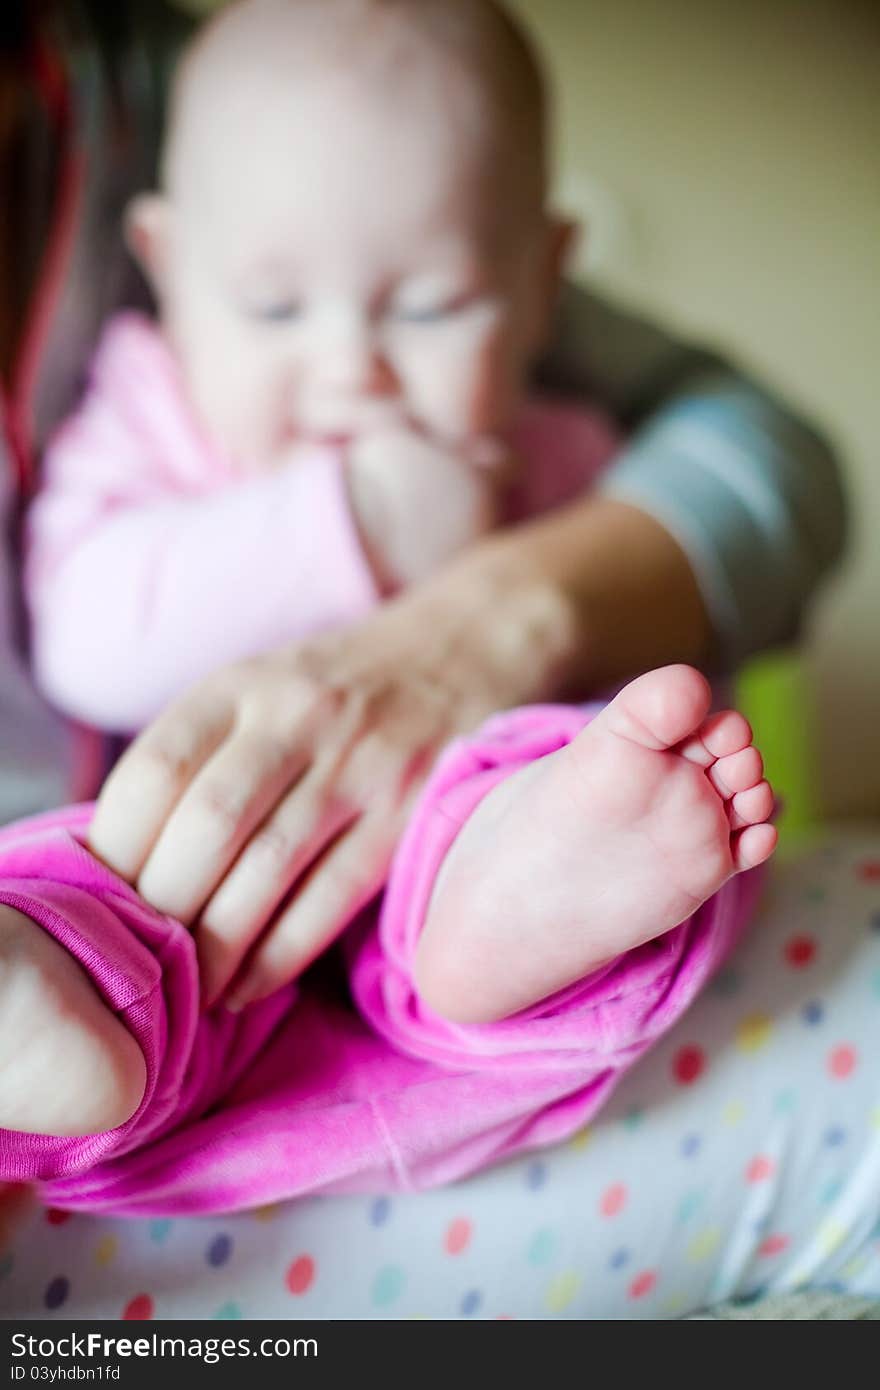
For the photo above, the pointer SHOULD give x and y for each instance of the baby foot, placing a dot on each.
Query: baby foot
(67, 1065)
(594, 849)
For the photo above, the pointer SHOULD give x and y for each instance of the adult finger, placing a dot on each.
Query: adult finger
(223, 805)
(341, 883)
(151, 776)
(278, 853)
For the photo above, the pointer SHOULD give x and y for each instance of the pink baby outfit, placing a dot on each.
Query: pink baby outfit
(153, 560)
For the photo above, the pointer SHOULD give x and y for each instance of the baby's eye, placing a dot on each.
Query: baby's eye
(279, 311)
(430, 313)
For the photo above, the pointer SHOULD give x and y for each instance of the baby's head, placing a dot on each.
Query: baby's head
(352, 229)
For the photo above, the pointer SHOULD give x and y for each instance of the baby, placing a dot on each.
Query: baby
(355, 266)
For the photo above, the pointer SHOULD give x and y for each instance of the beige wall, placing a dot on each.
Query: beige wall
(729, 156)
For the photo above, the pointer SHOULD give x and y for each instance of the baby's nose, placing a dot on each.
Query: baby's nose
(352, 359)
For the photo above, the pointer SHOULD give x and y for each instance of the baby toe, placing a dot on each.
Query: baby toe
(736, 772)
(753, 845)
(717, 737)
(751, 806)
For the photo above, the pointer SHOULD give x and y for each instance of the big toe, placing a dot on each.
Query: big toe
(661, 708)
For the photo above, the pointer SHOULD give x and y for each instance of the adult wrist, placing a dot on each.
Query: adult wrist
(521, 621)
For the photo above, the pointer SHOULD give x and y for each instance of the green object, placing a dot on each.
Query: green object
(773, 693)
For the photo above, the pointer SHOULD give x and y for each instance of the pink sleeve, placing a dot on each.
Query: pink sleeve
(143, 966)
(142, 579)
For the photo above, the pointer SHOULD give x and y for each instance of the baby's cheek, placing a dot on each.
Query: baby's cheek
(231, 379)
(244, 409)
(464, 384)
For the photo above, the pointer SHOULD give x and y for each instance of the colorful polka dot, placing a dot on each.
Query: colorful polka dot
(380, 1210)
(228, 1311)
(219, 1250)
(458, 1235)
(562, 1291)
(869, 870)
(690, 1145)
(542, 1246)
(300, 1274)
(613, 1199)
(643, 1284)
(831, 1236)
(56, 1217)
(703, 1244)
(759, 1169)
(800, 951)
(812, 1012)
(830, 1192)
(471, 1302)
(57, 1292)
(536, 1175)
(853, 1268)
(773, 1245)
(581, 1139)
(688, 1063)
(689, 1206)
(785, 1102)
(634, 1117)
(388, 1285)
(619, 1259)
(105, 1251)
(266, 1213)
(754, 1032)
(733, 1113)
(674, 1305)
(842, 1061)
(138, 1309)
(834, 1136)
(160, 1230)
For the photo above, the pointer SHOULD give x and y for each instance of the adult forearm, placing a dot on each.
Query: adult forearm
(578, 600)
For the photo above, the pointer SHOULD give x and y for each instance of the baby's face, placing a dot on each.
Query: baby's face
(336, 265)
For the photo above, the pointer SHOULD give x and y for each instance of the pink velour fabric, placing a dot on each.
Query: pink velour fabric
(346, 1082)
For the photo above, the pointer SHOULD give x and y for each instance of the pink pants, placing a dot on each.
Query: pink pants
(324, 1088)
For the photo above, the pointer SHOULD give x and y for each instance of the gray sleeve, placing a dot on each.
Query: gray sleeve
(750, 491)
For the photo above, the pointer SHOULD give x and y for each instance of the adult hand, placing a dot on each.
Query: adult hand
(297, 771)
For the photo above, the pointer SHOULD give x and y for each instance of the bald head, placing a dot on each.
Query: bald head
(353, 181)
(464, 64)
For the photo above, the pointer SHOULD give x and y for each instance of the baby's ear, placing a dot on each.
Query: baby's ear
(563, 234)
(147, 228)
(559, 237)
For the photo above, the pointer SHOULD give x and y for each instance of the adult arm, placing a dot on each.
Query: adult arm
(749, 490)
